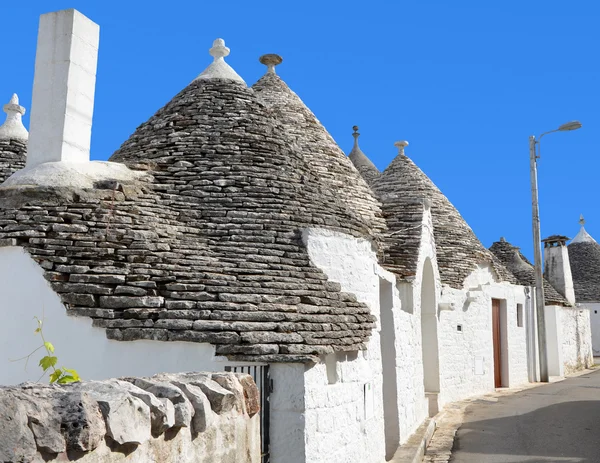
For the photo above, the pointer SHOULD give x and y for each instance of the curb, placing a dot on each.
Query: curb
(413, 450)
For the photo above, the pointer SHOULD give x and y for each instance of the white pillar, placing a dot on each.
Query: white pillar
(60, 127)
(558, 268)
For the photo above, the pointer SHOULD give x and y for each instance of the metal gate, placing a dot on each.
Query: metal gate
(263, 381)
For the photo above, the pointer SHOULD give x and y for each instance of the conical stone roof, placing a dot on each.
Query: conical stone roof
(342, 182)
(584, 257)
(458, 249)
(524, 271)
(209, 248)
(363, 164)
(13, 140)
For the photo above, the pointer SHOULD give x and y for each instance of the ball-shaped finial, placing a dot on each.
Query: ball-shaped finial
(219, 50)
(581, 220)
(355, 128)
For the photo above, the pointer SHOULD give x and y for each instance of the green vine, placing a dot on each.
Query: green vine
(60, 375)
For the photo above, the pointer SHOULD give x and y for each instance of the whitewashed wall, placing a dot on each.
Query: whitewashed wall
(467, 356)
(594, 308)
(26, 294)
(576, 338)
(344, 407)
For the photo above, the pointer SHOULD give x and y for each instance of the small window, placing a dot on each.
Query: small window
(459, 328)
(520, 315)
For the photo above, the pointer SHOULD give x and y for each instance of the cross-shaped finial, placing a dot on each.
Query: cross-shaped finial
(401, 145)
(219, 50)
(581, 220)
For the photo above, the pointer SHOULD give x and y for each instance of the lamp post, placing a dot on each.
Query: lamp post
(537, 246)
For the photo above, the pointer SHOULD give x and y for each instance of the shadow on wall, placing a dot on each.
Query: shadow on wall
(564, 432)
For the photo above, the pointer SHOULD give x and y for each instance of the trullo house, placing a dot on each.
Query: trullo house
(230, 231)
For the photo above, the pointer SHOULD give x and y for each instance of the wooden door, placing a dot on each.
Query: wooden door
(496, 337)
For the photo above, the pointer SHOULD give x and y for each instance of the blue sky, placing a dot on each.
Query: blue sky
(464, 82)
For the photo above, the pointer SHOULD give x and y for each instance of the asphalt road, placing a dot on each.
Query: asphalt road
(558, 422)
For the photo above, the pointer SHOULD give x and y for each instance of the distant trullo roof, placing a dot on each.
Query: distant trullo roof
(524, 271)
(458, 249)
(209, 247)
(13, 139)
(584, 256)
(362, 163)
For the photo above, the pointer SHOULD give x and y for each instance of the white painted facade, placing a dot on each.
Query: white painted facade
(575, 338)
(334, 389)
(354, 407)
(594, 310)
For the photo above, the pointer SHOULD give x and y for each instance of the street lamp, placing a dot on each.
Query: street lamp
(537, 245)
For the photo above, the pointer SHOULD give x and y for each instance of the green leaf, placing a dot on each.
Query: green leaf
(73, 373)
(67, 379)
(37, 330)
(56, 376)
(48, 361)
(49, 346)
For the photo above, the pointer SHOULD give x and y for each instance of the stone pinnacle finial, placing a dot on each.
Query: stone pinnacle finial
(219, 50)
(581, 220)
(502, 239)
(401, 145)
(13, 126)
(219, 69)
(355, 135)
(270, 60)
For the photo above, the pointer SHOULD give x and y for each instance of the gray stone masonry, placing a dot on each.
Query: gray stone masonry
(524, 271)
(12, 157)
(209, 250)
(458, 249)
(162, 415)
(584, 258)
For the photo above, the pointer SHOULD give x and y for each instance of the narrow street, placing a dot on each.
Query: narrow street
(559, 422)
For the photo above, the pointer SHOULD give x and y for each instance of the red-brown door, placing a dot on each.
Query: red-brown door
(496, 336)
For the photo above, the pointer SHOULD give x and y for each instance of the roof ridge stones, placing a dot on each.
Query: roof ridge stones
(458, 250)
(523, 270)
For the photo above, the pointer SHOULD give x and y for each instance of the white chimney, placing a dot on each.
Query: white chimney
(557, 268)
(60, 126)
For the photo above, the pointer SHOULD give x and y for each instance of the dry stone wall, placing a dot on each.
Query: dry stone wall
(190, 417)
(12, 157)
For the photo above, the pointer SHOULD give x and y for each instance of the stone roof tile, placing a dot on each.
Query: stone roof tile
(524, 271)
(210, 248)
(584, 256)
(344, 184)
(458, 249)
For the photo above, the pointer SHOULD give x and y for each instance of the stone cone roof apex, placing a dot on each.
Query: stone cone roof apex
(358, 158)
(583, 236)
(219, 69)
(13, 127)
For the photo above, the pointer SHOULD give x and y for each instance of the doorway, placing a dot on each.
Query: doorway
(429, 338)
(500, 342)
